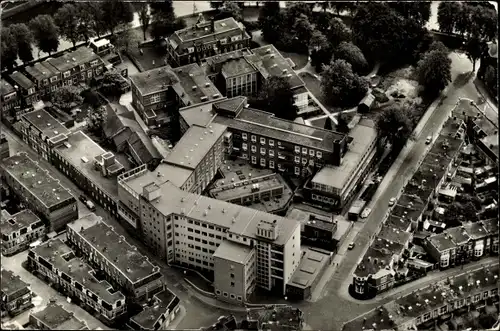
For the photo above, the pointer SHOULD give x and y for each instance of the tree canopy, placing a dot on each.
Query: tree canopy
(111, 83)
(117, 13)
(420, 11)
(394, 124)
(45, 33)
(230, 9)
(434, 71)
(270, 21)
(352, 54)
(9, 48)
(24, 39)
(163, 19)
(144, 18)
(277, 97)
(337, 32)
(341, 86)
(66, 97)
(468, 19)
(68, 19)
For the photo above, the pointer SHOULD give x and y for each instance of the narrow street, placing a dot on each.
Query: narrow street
(197, 313)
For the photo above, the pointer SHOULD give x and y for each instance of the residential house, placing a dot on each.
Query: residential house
(159, 314)
(25, 88)
(46, 78)
(15, 294)
(20, 230)
(55, 317)
(10, 98)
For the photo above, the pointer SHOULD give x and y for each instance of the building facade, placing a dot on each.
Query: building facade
(158, 316)
(46, 78)
(4, 147)
(205, 39)
(26, 89)
(40, 192)
(10, 99)
(20, 230)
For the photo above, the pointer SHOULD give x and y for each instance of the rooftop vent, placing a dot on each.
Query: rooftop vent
(194, 87)
(39, 116)
(268, 50)
(207, 84)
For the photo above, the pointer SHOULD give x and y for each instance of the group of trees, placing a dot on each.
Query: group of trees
(468, 19)
(434, 69)
(392, 32)
(276, 97)
(341, 86)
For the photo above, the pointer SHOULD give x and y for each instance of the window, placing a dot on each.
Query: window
(232, 284)
(254, 160)
(297, 159)
(297, 149)
(262, 141)
(82, 67)
(262, 151)
(254, 149)
(304, 161)
(271, 142)
(66, 74)
(254, 138)
(245, 156)
(244, 136)
(94, 63)
(271, 152)
(53, 79)
(311, 152)
(244, 146)
(232, 275)
(319, 155)
(271, 164)
(263, 162)
(297, 170)
(304, 150)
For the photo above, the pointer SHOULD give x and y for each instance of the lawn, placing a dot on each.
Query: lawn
(151, 57)
(314, 86)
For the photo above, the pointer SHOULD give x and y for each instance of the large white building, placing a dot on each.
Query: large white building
(188, 229)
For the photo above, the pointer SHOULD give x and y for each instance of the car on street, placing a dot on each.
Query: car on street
(392, 201)
(366, 212)
(428, 140)
(351, 246)
(90, 205)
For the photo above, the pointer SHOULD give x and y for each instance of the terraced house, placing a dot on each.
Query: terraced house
(206, 38)
(20, 230)
(26, 89)
(10, 99)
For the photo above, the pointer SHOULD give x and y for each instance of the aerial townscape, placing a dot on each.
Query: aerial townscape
(231, 165)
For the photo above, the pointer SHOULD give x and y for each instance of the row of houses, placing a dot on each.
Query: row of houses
(103, 273)
(24, 88)
(382, 263)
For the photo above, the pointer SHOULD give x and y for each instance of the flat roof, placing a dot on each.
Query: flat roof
(200, 114)
(162, 301)
(310, 268)
(270, 62)
(289, 318)
(154, 80)
(81, 146)
(72, 59)
(240, 220)
(85, 222)
(194, 145)
(364, 136)
(400, 223)
(244, 188)
(394, 235)
(123, 256)
(45, 123)
(41, 70)
(16, 222)
(267, 125)
(36, 180)
(6, 88)
(191, 76)
(55, 317)
(377, 257)
(11, 283)
(237, 67)
(62, 257)
(442, 241)
(233, 252)
(21, 80)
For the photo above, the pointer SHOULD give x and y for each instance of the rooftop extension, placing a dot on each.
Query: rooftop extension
(18, 221)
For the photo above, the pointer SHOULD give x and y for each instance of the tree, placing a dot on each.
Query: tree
(24, 38)
(318, 40)
(111, 83)
(67, 19)
(66, 97)
(438, 46)
(92, 18)
(434, 71)
(270, 18)
(490, 78)
(117, 13)
(95, 119)
(341, 86)
(322, 21)
(163, 19)
(9, 48)
(303, 30)
(394, 125)
(321, 50)
(230, 9)
(144, 18)
(474, 48)
(418, 10)
(216, 4)
(45, 33)
(456, 213)
(353, 55)
(295, 9)
(277, 97)
(125, 38)
(447, 15)
(337, 32)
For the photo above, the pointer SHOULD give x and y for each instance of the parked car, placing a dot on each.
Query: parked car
(90, 205)
(428, 140)
(392, 201)
(366, 212)
(351, 246)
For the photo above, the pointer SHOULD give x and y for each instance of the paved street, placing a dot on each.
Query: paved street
(197, 313)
